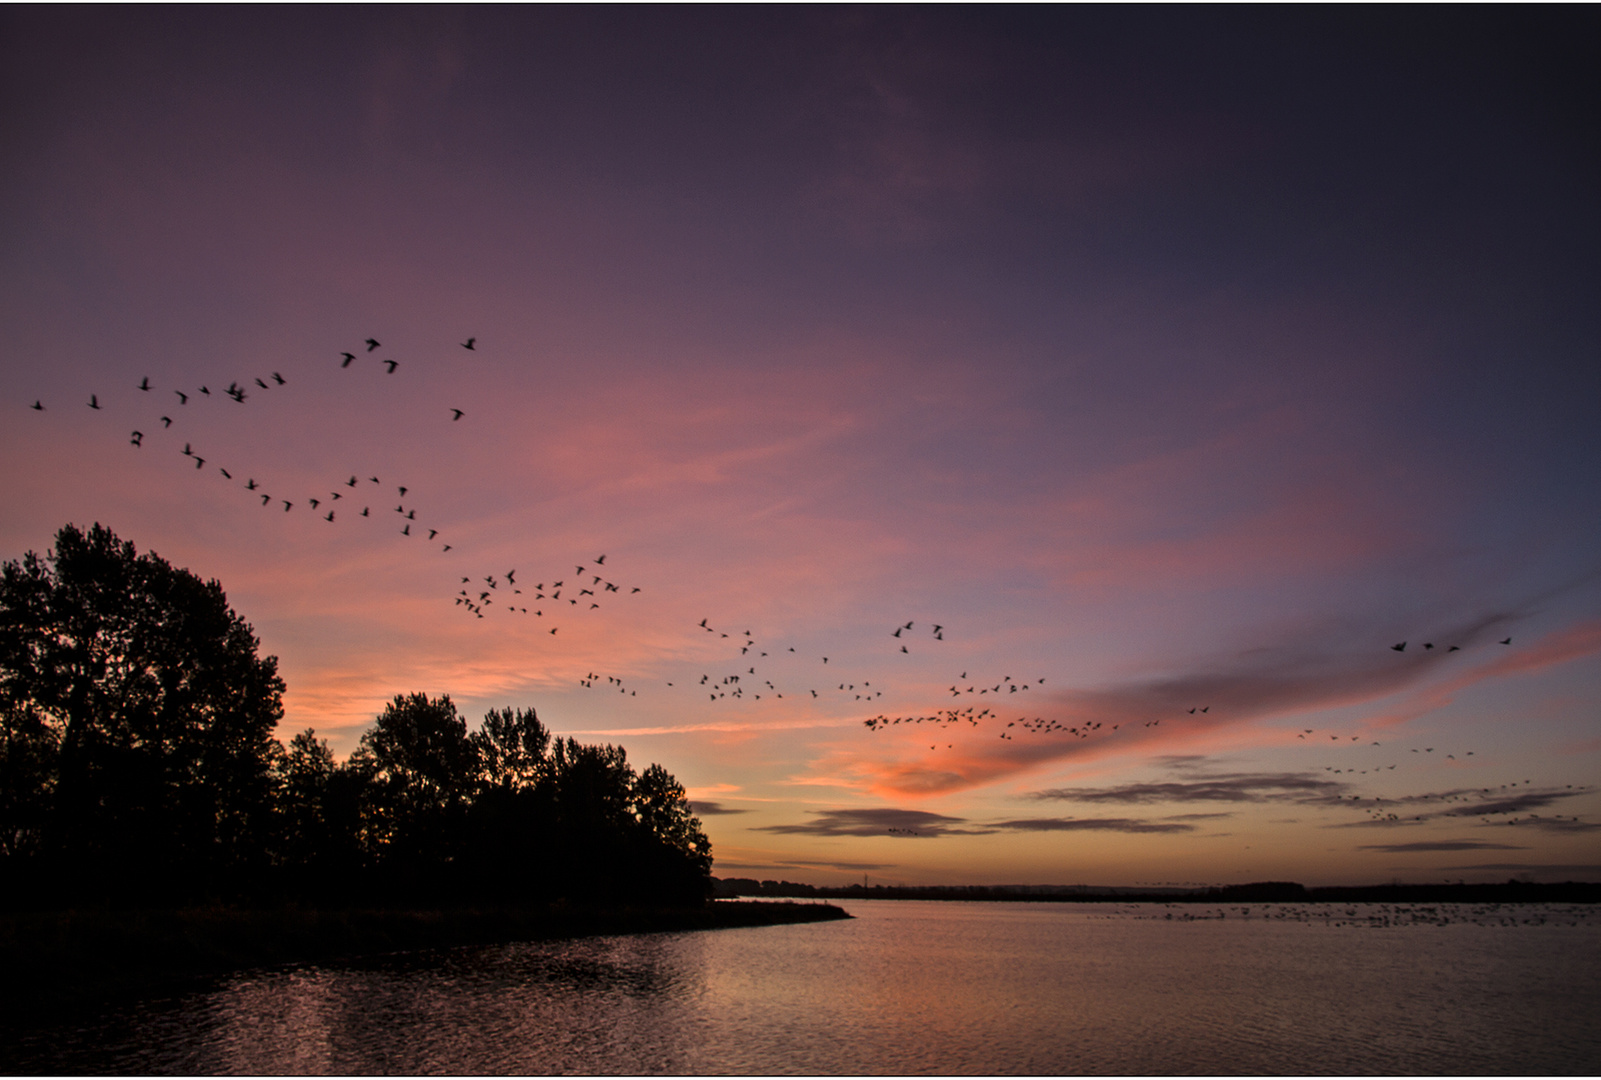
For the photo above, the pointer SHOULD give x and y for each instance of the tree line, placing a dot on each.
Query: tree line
(139, 764)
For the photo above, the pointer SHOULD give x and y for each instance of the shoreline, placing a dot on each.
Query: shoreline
(61, 961)
(1264, 892)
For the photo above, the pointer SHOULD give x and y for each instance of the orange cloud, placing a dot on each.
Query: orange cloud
(1086, 725)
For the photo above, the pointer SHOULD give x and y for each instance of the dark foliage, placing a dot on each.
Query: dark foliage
(138, 748)
(138, 765)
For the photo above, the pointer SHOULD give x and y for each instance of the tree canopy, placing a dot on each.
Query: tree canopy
(138, 762)
(138, 742)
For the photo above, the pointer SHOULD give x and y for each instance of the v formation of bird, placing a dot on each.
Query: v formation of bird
(590, 585)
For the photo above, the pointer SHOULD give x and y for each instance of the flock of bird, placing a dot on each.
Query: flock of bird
(330, 505)
(591, 585)
(586, 598)
(339, 502)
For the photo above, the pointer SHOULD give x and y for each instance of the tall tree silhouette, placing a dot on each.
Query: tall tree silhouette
(318, 850)
(680, 855)
(421, 772)
(138, 720)
(513, 749)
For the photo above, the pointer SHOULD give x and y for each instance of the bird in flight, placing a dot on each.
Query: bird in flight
(458, 414)
(94, 402)
(1399, 648)
(468, 344)
(138, 438)
(166, 421)
(183, 398)
(372, 343)
(38, 406)
(393, 364)
(144, 383)
(277, 378)
(348, 358)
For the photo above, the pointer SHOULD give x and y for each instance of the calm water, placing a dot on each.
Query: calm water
(910, 987)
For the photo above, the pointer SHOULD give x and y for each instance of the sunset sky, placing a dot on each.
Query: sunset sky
(1176, 363)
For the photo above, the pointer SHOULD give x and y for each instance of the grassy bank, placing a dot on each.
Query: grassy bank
(64, 959)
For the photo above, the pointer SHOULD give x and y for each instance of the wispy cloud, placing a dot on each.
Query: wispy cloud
(1442, 845)
(893, 822)
(1222, 787)
(704, 808)
(779, 866)
(1483, 803)
(883, 821)
(834, 865)
(1547, 824)
(1267, 684)
(1123, 825)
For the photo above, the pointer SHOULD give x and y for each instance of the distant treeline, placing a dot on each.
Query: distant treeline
(1511, 892)
(138, 765)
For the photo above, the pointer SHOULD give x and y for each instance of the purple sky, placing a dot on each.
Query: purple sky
(1180, 358)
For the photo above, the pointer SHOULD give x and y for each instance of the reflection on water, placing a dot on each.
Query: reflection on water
(917, 987)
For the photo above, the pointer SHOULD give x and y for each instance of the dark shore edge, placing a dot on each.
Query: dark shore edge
(55, 963)
(1258, 892)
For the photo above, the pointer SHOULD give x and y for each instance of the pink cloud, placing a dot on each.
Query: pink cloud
(1152, 714)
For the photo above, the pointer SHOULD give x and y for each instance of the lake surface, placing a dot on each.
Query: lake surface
(915, 987)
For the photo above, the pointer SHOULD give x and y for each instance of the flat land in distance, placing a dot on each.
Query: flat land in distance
(1260, 892)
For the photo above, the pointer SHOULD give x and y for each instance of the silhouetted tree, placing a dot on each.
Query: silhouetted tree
(512, 852)
(421, 773)
(138, 763)
(305, 770)
(318, 853)
(682, 857)
(138, 721)
(513, 749)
